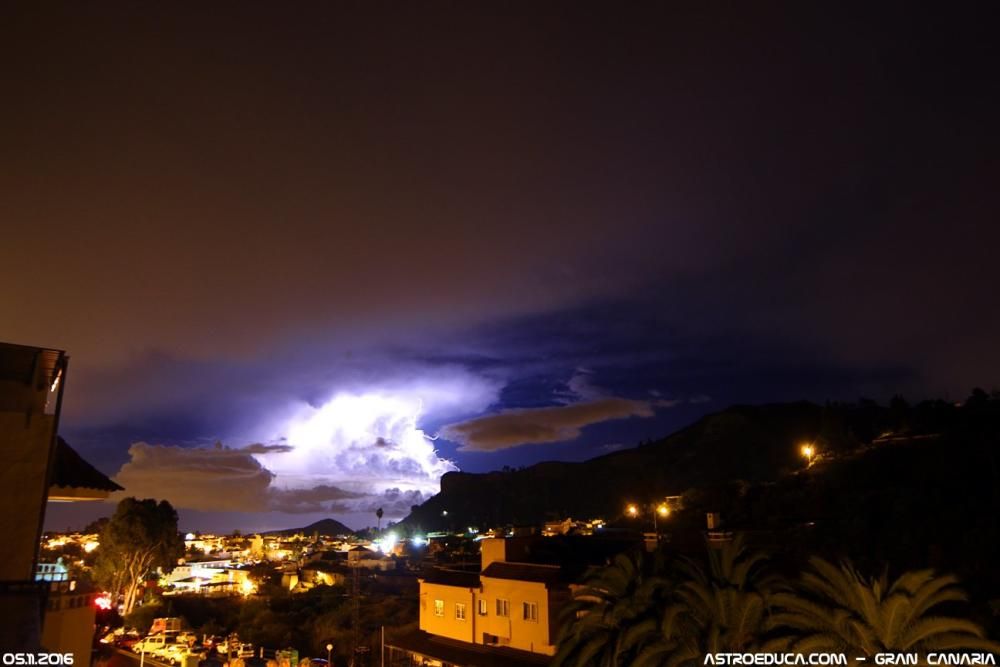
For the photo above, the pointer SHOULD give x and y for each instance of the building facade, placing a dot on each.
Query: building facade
(40, 608)
(504, 614)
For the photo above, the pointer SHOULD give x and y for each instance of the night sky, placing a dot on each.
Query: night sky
(359, 245)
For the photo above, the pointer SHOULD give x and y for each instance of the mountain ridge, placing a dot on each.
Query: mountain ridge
(753, 443)
(329, 527)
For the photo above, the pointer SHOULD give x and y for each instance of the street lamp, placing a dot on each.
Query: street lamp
(329, 651)
(662, 510)
(808, 451)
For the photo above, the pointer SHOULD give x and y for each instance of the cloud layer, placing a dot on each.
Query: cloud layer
(513, 428)
(353, 454)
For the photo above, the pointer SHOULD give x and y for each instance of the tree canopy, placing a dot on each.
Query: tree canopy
(140, 537)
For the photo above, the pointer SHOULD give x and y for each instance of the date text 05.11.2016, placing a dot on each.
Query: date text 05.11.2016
(10, 659)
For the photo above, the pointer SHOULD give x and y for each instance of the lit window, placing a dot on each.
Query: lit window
(482, 607)
(460, 611)
(439, 607)
(503, 608)
(530, 611)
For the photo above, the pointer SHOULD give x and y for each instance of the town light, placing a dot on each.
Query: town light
(247, 587)
(632, 510)
(387, 543)
(808, 451)
(663, 510)
(103, 601)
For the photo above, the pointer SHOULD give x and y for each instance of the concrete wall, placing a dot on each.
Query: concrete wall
(69, 626)
(515, 631)
(510, 549)
(448, 625)
(24, 455)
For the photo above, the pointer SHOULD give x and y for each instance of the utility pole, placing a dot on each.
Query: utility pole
(356, 609)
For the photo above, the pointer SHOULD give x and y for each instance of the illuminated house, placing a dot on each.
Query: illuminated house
(209, 577)
(38, 609)
(504, 614)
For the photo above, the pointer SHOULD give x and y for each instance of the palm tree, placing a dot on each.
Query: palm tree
(837, 609)
(598, 624)
(719, 609)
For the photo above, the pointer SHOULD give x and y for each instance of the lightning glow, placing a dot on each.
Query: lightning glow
(387, 543)
(364, 443)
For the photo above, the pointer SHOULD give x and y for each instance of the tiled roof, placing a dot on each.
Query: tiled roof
(445, 577)
(69, 469)
(545, 574)
(463, 653)
(326, 566)
(18, 363)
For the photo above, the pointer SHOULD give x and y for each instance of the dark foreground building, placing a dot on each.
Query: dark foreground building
(39, 609)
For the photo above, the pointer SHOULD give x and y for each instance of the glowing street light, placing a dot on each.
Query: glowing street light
(808, 451)
(661, 510)
(329, 650)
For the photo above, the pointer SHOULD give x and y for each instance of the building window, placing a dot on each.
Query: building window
(439, 607)
(460, 611)
(530, 611)
(482, 607)
(503, 608)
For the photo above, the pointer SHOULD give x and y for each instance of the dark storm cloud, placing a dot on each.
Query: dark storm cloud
(259, 448)
(220, 479)
(225, 214)
(271, 184)
(216, 478)
(321, 498)
(513, 428)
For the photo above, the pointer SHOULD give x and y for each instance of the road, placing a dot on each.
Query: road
(123, 658)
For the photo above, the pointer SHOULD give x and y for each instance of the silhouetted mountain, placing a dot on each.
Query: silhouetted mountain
(741, 446)
(328, 527)
(897, 486)
(749, 443)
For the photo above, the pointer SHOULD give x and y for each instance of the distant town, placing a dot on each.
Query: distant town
(775, 537)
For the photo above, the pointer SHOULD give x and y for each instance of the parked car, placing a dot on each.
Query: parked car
(154, 643)
(186, 637)
(126, 638)
(218, 641)
(173, 653)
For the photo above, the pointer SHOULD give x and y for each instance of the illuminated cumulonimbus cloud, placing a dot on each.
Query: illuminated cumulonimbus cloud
(368, 443)
(361, 448)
